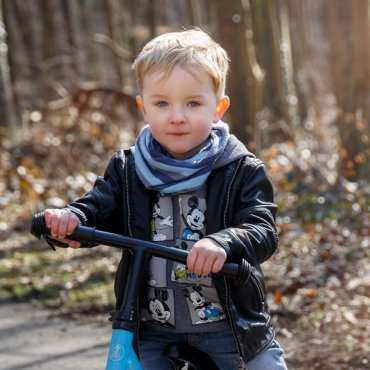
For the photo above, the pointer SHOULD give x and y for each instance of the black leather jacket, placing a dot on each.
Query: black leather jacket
(241, 218)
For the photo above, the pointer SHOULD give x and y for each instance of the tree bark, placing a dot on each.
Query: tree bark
(348, 30)
(8, 105)
(242, 82)
(283, 68)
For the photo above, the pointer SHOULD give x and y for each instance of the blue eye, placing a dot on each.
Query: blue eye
(193, 104)
(161, 104)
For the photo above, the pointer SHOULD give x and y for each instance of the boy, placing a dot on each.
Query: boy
(188, 182)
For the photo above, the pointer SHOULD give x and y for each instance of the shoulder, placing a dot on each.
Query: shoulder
(117, 163)
(251, 163)
(247, 164)
(248, 173)
(121, 156)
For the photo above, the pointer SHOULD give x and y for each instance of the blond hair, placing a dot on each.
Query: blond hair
(188, 49)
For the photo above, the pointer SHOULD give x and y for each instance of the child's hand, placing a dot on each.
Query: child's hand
(61, 223)
(206, 256)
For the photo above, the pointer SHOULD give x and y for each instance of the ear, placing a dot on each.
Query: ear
(222, 106)
(140, 104)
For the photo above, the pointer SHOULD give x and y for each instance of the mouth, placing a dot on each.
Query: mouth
(177, 133)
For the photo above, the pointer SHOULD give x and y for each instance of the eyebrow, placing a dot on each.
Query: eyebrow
(159, 96)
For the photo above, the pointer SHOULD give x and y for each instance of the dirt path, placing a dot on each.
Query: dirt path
(32, 338)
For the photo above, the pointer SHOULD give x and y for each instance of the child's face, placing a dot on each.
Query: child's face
(180, 109)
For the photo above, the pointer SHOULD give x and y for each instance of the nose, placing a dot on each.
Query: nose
(177, 116)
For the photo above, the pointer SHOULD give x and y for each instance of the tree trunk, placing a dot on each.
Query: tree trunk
(78, 39)
(8, 105)
(231, 20)
(284, 72)
(348, 29)
(255, 91)
(114, 34)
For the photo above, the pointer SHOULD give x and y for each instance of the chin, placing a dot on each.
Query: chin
(181, 155)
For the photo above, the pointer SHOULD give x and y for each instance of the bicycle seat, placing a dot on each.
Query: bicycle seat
(180, 353)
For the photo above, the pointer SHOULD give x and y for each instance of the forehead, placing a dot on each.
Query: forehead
(178, 78)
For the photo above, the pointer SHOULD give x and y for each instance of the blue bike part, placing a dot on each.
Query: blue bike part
(121, 353)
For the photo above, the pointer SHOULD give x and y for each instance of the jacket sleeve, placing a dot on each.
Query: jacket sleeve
(252, 233)
(102, 206)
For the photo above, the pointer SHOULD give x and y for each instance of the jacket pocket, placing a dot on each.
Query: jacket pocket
(259, 290)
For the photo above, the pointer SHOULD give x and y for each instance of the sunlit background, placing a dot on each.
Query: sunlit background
(300, 99)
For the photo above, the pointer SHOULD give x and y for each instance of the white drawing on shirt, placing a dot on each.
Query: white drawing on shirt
(164, 221)
(194, 220)
(158, 308)
(206, 311)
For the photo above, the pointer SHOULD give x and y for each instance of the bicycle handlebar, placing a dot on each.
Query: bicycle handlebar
(238, 272)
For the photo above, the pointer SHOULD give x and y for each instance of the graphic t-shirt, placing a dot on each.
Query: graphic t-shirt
(176, 298)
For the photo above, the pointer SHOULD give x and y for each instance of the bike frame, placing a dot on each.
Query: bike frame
(121, 354)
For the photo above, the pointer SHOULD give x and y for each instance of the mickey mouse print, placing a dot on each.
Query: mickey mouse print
(176, 297)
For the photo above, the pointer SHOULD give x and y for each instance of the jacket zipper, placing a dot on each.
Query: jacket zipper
(130, 234)
(127, 198)
(232, 323)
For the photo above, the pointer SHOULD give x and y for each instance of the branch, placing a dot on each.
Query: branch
(111, 44)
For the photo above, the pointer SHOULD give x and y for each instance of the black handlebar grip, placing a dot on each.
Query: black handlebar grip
(38, 226)
(244, 273)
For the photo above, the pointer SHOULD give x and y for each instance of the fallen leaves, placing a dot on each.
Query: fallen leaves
(318, 281)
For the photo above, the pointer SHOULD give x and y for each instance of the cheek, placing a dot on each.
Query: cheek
(203, 128)
(152, 115)
(157, 132)
(155, 128)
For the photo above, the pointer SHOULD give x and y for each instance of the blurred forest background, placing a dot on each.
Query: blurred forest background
(300, 98)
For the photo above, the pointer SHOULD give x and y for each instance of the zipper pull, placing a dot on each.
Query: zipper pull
(241, 364)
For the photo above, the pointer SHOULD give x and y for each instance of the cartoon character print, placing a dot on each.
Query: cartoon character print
(158, 219)
(181, 275)
(196, 297)
(206, 311)
(151, 279)
(159, 309)
(194, 221)
(210, 311)
(180, 271)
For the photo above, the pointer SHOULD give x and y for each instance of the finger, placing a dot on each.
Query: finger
(47, 217)
(208, 265)
(190, 260)
(71, 243)
(199, 263)
(63, 224)
(218, 264)
(54, 223)
(73, 223)
(74, 244)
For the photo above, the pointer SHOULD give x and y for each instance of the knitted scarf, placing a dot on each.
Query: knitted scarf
(158, 171)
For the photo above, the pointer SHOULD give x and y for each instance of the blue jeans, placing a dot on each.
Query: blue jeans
(219, 345)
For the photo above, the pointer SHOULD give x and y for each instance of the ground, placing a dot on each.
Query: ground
(317, 282)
